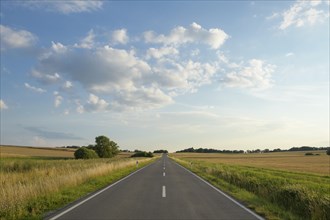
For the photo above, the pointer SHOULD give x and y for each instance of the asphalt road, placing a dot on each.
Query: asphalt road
(162, 190)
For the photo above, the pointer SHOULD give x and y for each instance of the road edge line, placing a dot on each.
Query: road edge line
(222, 193)
(97, 193)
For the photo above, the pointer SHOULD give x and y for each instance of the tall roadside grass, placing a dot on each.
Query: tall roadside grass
(283, 195)
(29, 186)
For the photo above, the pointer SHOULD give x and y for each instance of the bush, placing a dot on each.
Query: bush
(328, 151)
(142, 154)
(84, 153)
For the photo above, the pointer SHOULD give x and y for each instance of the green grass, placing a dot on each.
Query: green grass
(275, 194)
(32, 187)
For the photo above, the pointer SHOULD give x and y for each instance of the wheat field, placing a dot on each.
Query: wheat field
(287, 161)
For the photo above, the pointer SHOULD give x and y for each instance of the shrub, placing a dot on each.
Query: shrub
(142, 154)
(84, 153)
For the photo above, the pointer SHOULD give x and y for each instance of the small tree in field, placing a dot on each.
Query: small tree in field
(104, 147)
(84, 153)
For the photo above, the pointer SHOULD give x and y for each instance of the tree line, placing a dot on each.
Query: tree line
(210, 150)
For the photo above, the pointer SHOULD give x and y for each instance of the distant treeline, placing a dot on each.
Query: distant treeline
(155, 151)
(210, 150)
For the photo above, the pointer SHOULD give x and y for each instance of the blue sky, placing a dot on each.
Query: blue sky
(176, 74)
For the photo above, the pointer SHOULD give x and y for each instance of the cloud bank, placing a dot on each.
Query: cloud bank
(136, 79)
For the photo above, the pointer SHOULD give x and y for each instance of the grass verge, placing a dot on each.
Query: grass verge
(273, 194)
(30, 188)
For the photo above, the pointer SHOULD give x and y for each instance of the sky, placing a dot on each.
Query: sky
(165, 74)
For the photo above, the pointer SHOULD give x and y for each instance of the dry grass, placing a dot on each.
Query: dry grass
(288, 161)
(16, 151)
(23, 179)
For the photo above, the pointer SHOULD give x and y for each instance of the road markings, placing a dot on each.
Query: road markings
(222, 193)
(163, 173)
(164, 192)
(92, 196)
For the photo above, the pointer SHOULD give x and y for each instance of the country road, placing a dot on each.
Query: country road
(162, 190)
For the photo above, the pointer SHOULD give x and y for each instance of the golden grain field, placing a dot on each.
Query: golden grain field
(289, 161)
(16, 151)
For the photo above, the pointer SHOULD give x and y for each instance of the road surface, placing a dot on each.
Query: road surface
(162, 190)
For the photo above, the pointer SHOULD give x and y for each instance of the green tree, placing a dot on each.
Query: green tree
(142, 154)
(104, 147)
(84, 153)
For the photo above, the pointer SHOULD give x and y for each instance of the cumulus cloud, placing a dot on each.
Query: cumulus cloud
(3, 105)
(67, 85)
(158, 53)
(58, 99)
(183, 77)
(129, 79)
(303, 13)
(195, 33)
(33, 88)
(13, 38)
(120, 36)
(80, 108)
(96, 104)
(88, 41)
(45, 78)
(64, 7)
(256, 75)
(141, 98)
(58, 47)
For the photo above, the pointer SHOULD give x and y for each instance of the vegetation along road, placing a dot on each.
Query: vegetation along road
(162, 190)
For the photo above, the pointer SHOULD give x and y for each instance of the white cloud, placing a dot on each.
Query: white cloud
(95, 104)
(80, 108)
(45, 78)
(182, 77)
(35, 89)
(11, 38)
(58, 99)
(88, 41)
(302, 13)
(66, 112)
(120, 36)
(290, 54)
(64, 7)
(3, 105)
(316, 2)
(141, 98)
(193, 34)
(59, 48)
(256, 75)
(161, 52)
(67, 85)
(130, 81)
